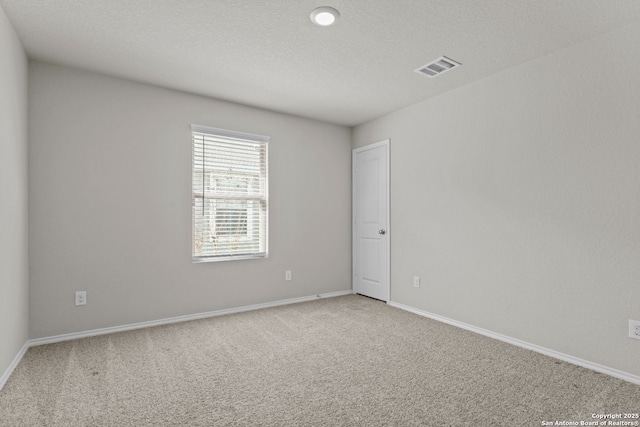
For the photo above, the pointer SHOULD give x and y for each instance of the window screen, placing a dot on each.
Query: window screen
(230, 187)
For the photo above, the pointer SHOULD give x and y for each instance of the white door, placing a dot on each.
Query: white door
(371, 221)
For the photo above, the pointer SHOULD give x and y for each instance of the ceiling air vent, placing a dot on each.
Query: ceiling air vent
(437, 67)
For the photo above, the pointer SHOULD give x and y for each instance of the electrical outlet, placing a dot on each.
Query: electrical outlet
(81, 298)
(634, 329)
(416, 281)
(287, 275)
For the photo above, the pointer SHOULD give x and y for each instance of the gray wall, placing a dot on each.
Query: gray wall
(110, 179)
(517, 201)
(14, 275)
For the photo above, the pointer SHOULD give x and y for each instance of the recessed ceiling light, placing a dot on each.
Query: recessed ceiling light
(324, 16)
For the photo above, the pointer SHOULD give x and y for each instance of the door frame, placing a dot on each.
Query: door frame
(384, 143)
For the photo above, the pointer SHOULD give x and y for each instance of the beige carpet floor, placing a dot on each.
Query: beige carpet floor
(345, 361)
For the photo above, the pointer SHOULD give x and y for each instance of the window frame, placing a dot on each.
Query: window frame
(262, 198)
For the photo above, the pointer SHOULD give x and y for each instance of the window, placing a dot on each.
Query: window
(230, 187)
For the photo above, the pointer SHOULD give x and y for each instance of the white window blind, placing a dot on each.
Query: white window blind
(230, 189)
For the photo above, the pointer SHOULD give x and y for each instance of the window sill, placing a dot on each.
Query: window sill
(197, 259)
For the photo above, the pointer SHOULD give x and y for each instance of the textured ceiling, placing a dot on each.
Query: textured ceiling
(268, 54)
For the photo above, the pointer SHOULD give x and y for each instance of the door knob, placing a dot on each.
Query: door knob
(383, 231)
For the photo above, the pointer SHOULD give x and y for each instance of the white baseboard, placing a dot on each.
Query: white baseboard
(16, 360)
(186, 318)
(76, 335)
(547, 352)
(552, 353)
